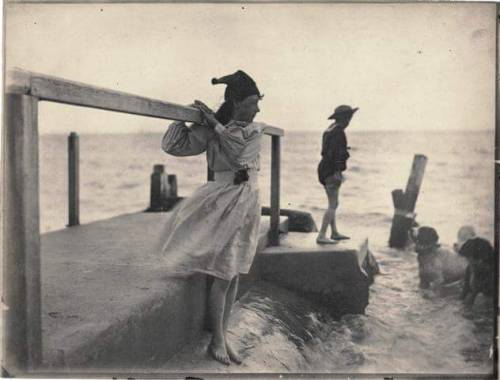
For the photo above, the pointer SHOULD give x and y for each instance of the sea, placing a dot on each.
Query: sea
(405, 330)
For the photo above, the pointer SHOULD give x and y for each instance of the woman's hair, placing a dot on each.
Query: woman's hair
(225, 112)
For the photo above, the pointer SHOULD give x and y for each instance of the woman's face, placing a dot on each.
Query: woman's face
(246, 109)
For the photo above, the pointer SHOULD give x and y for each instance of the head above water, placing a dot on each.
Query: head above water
(241, 98)
(343, 114)
(464, 233)
(477, 249)
(427, 239)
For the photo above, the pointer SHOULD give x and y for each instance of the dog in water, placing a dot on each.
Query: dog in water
(436, 265)
(480, 273)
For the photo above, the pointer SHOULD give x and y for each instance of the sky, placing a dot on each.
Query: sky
(406, 66)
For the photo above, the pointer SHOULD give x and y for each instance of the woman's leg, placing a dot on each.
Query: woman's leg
(216, 302)
(230, 298)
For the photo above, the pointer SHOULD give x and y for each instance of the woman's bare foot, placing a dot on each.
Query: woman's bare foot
(233, 355)
(219, 351)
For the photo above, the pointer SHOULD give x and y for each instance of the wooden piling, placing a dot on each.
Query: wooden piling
(159, 188)
(172, 185)
(404, 204)
(21, 237)
(172, 198)
(275, 191)
(73, 180)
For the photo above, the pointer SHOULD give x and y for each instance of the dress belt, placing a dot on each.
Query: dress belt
(227, 176)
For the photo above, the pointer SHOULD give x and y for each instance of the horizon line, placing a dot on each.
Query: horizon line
(290, 131)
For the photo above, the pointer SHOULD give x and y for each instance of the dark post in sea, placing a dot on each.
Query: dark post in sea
(163, 190)
(73, 180)
(159, 188)
(404, 204)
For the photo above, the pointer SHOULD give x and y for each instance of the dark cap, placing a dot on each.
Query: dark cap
(342, 110)
(477, 248)
(239, 86)
(427, 236)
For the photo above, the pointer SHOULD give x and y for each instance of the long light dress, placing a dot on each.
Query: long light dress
(216, 230)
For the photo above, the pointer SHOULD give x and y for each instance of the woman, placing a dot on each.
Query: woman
(215, 231)
(333, 162)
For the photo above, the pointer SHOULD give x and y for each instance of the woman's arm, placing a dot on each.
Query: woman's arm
(179, 140)
(231, 139)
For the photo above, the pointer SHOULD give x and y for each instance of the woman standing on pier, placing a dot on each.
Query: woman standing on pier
(215, 231)
(334, 157)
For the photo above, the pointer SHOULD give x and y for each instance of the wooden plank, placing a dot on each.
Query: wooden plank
(275, 191)
(273, 131)
(79, 94)
(21, 243)
(73, 180)
(69, 92)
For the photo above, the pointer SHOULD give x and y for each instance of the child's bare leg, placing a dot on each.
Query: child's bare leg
(230, 298)
(333, 203)
(327, 216)
(333, 222)
(217, 300)
(327, 220)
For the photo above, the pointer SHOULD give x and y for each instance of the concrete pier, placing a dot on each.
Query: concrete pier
(337, 276)
(107, 305)
(106, 300)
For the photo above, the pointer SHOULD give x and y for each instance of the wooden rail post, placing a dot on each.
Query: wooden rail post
(275, 191)
(21, 237)
(210, 174)
(404, 204)
(73, 180)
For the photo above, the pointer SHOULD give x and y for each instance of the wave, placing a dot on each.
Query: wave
(129, 185)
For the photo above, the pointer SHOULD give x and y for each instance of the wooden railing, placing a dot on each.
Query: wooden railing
(21, 219)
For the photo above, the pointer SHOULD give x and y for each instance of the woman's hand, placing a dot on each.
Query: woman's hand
(207, 113)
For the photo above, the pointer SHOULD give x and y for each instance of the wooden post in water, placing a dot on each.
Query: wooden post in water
(274, 238)
(163, 190)
(22, 348)
(73, 180)
(159, 188)
(404, 204)
(172, 198)
(172, 185)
